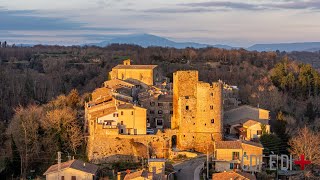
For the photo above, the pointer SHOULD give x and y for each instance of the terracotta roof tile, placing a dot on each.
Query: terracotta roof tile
(233, 175)
(228, 145)
(125, 106)
(133, 175)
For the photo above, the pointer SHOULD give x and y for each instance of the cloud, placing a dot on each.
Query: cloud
(175, 10)
(225, 4)
(311, 4)
(33, 20)
(302, 4)
(24, 20)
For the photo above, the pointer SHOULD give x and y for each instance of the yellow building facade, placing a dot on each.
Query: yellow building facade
(133, 119)
(230, 155)
(146, 74)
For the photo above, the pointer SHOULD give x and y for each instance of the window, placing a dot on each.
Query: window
(171, 112)
(152, 103)
(235, 155)
(62, 177)
(121, 131)
(131, 112)
(159, 122)
(121, 113)
(231, 165)
(73, 178)
(148, 121)
(121, 122)
(170, 104)
(160, 112)
(187, 97)
(187, 107)
(244, 153)
(259, 132)
(108, 123)
(211, 94)
(211, 107)
(212, 121)
(151, 112)
(160, 104)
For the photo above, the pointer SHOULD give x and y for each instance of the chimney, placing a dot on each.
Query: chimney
(127, 62)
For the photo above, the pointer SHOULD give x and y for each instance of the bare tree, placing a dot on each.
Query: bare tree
(306, 142)
(63, 124)
(24, 129)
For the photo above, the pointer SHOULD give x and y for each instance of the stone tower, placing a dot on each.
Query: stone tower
(197, 111)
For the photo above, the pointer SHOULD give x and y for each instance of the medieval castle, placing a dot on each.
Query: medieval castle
(138, 112)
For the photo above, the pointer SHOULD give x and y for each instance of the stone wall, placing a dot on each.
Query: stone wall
(112, 148)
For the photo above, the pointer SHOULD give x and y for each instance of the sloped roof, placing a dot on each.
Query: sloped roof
(74, 164)
(135, 67)
(233, 175)
(243, 114)
(228, 145)
(235, 144)
(141, 173)
(103, 112)
(248, 121)
(246, 107)
(115, 83)
(125, 106)
(165, 98)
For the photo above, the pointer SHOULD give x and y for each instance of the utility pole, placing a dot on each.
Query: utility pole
(207, 162)
(59, 164)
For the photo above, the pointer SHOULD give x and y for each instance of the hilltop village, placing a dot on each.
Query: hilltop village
(139, 113)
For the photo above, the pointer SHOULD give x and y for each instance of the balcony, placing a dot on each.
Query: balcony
(105, 126)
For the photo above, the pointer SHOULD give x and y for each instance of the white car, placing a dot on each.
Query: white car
(150, 131)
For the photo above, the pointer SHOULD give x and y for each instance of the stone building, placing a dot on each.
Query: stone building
(197, 111)
(230, 96)
(145, 74)
(159, 112)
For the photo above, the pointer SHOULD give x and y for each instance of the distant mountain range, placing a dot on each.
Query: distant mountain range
(146, 40)
(305, 46)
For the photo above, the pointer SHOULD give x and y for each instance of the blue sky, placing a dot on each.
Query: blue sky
(234, 22)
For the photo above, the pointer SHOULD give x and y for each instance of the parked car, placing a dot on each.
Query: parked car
(150, 131)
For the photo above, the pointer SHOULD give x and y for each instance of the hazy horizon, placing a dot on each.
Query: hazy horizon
(236, 23)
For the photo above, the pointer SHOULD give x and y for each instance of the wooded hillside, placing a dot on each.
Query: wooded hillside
(33, 78)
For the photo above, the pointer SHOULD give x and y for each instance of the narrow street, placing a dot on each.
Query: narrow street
(186, 170)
